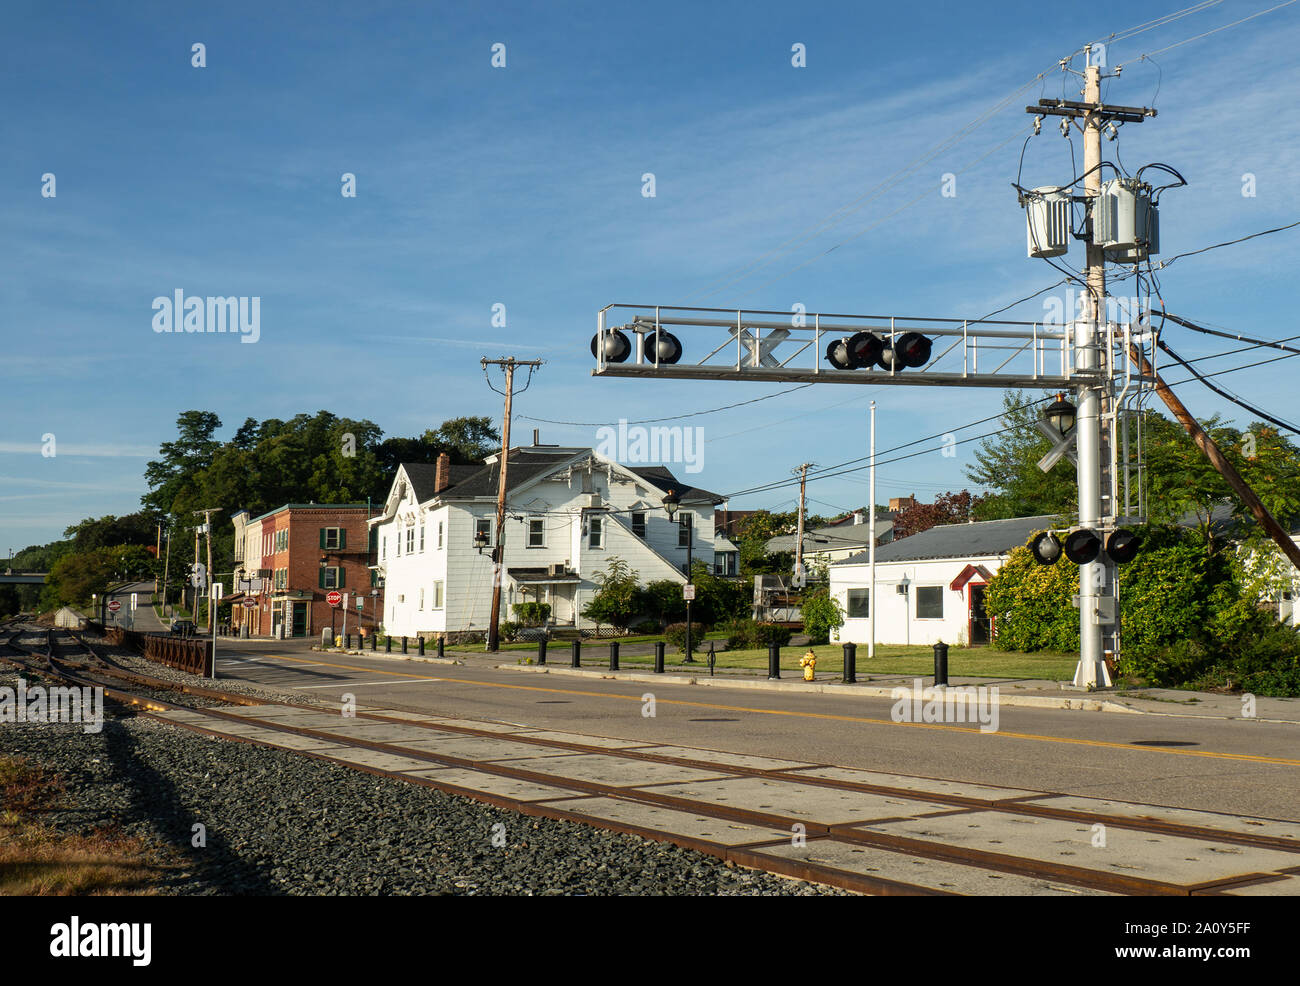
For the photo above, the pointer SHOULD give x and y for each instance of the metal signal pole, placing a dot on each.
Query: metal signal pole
(498, 552)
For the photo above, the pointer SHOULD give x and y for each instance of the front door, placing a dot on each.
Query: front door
(980, 625)
(300, 619)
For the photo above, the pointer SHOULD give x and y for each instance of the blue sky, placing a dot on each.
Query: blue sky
(522, 186)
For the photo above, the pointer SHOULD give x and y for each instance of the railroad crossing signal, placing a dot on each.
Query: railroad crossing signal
(198, 575)
(1083, 546)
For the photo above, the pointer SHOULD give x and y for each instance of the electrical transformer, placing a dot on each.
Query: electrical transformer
(1047, 215)
(1124, 222)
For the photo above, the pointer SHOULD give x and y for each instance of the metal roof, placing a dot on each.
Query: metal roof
(989, 537)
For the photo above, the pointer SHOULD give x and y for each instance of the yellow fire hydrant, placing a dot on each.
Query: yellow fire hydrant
(809, 663)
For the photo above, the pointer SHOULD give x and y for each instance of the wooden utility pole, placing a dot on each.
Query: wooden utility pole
(207, 513)
(1217, 459)
(802, 470)
(509, 364)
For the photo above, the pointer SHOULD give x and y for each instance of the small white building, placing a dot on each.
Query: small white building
(568, 511)
(929, 586)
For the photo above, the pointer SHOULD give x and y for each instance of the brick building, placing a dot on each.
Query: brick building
(300, 552)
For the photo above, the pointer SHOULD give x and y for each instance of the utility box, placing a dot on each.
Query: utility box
(1047, 219)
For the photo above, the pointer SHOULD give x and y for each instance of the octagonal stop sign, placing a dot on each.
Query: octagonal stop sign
(334, 597)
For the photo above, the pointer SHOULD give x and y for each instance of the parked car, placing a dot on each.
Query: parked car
(183, 628)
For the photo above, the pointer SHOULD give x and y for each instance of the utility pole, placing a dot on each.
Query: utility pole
(207, 513)
(157, 550)
(166, 565)
(871, 535)
(802, 470)
(1096, 578)
(509, 364)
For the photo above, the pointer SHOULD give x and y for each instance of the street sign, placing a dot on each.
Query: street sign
(361, 603)
(334, 597)
(114, 606)
(134, 600)
(250, 604)
(688, 591)
(217, 589)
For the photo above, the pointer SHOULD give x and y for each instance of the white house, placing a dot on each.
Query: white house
(930, 586)
(568, 511)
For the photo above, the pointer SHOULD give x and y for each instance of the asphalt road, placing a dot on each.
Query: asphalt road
(1237, 766)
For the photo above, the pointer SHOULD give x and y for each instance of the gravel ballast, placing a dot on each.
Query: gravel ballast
(279, 823)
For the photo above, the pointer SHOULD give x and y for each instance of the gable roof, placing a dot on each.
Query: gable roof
(989, 537)
(661, 477)
(833, 538)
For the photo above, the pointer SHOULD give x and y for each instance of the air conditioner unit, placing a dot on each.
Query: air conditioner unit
(557, 569)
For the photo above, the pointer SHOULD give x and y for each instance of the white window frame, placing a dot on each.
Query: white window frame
(478, 522)
(596, 531)
(331, 576)
(848, 605)
(685, 523)
(421, 540)
(438, 598)
(641, 524)
(422, 599)
(541, 522)
(410, 540)
(916, 606)
(338, 538)
(439, 535)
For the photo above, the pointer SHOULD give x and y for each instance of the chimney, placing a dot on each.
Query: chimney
(537, 436)
(442, 473)
(857, 517)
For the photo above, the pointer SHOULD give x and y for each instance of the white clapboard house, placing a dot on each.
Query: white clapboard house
(929, 586)
(568, 511)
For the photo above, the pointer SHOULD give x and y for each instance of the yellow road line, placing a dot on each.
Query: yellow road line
(1035, 737)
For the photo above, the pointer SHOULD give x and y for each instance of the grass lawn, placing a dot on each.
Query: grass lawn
(975, 662)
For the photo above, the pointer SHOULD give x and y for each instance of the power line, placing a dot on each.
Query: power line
(675, 417)
(1228, 396)
(1166, 263)
(1206, 34)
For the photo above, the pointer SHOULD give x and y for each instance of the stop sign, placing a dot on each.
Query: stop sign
(334, 597)
(114, 606)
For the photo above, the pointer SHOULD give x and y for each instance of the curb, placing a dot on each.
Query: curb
(842, 690)
(383, 654)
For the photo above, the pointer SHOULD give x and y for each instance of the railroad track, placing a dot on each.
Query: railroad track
(872, 833)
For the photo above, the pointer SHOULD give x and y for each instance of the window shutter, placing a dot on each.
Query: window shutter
(320, 578)
(322, 537)
(343, 539)
(342, 580)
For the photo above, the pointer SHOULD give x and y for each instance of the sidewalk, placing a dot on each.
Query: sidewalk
(1012, 692)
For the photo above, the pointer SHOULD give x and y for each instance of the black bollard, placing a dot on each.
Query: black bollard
(659, 657)
(712, 658)
(613, 655)
(850, 663)
(388, 644)
(421, 650)
(374, 641)
(541, 651)
(577, 655)
(440, 647)
(773, 662)
(347, 641)
(403, 644)
(941, 663)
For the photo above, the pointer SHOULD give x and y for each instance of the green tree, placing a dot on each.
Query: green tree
(1007, 466)
(618, 595)
(74, 578)
(821, 614)
(172, 475)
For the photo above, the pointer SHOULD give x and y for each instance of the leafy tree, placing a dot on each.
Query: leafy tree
(74, 578)
(753, 533)
(172, 475)
(664, 602)
(821, 615)
(618, 595)
(468, 439)
(948, 508)
(99, 532)
(1007, 466)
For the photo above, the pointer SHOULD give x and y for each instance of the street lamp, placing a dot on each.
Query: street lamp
(480, 541)
(1060, 414)
(672, 502)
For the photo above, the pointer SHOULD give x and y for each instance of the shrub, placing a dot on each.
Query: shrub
(675, 634)
(508, 629)
(647, 628)
(532, 614)
(747, 635)
(821, 615)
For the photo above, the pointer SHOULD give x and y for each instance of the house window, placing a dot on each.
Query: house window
(638, 524)
(684, 531)
(437, 595)
(421, 537)
(422, 599)
(859, 604)
(536, 532)
(331, 578)
(483, 525)
(383, 547)
(410, 540)
(331, 538)
(929, 602)
(439, 535)
(596, 526)
(398, 539)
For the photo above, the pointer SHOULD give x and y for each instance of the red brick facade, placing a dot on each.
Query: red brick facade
(307, 550)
